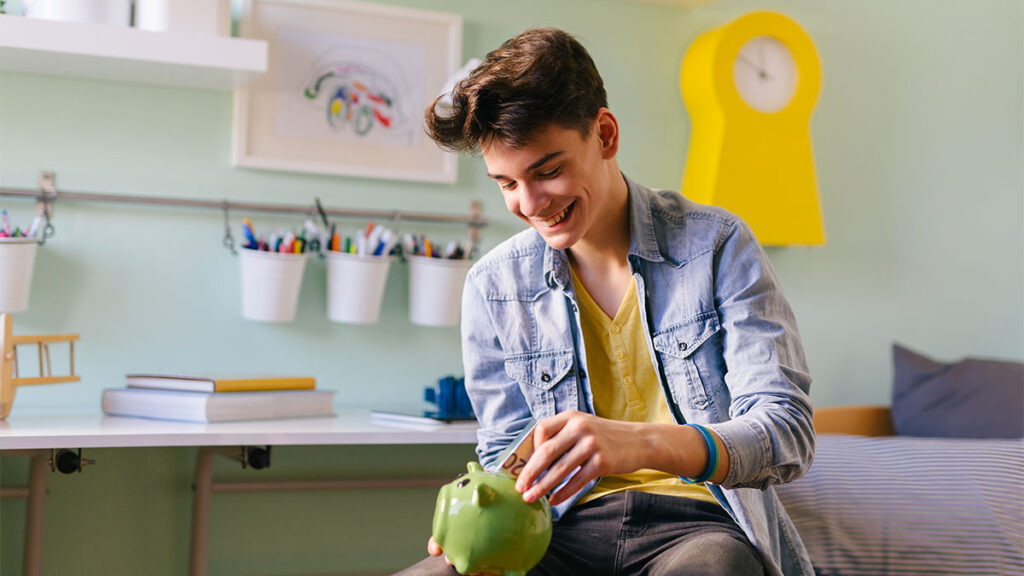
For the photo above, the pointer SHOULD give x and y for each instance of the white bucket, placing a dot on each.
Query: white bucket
(17, 259)
(270, 284)
(112, 12)
(355, 287)
(210, 17)
(435, 290)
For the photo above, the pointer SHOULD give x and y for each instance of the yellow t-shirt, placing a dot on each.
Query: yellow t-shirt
(625, 387)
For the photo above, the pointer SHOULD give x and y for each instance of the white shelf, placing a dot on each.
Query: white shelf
(124, 54)
(33, 428)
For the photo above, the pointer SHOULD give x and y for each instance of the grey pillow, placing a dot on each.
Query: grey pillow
(972, 398)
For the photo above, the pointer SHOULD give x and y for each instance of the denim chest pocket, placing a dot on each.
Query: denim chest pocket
(678, 349)
(546, 381)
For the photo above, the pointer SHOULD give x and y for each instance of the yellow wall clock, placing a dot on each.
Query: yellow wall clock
(750, 87)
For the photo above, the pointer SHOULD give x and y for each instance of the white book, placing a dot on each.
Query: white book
(217, 407)
(422, 420)
(220, 383)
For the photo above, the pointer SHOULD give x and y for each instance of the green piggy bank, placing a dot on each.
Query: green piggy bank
(485, 527)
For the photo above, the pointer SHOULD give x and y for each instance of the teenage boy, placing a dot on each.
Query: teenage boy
(647, 335)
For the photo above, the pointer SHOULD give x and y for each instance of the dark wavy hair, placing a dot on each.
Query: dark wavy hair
(539, 78)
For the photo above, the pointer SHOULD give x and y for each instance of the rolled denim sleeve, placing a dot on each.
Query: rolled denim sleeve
(497, 401)
(770, 435)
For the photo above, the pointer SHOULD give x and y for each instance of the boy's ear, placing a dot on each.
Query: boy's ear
(607, 132)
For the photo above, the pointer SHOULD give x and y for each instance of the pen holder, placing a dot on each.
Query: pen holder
(355, 287)
(17, 259)
(435, 290)
(110, 12)
(271, 282)
(210, 17)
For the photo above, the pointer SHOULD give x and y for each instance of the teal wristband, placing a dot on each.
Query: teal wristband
(712, 465)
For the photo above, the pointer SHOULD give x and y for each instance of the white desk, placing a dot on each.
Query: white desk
(30, 428)
(37, 429)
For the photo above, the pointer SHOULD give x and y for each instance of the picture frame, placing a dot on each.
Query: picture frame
(346, 89)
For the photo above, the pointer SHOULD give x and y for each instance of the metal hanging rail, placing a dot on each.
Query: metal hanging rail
(48, 192)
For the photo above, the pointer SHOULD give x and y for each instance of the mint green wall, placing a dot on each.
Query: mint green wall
(919, 143)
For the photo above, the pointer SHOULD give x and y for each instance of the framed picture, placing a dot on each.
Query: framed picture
(346, 88)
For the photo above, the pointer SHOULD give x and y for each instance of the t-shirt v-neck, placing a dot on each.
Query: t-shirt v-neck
(625, 387)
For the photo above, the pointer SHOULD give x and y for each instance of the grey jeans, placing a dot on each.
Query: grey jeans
(629, 533)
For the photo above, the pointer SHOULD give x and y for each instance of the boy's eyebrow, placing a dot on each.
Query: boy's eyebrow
(533, 166)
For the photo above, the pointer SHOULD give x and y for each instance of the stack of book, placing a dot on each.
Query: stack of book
(217, 399)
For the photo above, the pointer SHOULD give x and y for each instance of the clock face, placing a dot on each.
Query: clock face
(765, 74)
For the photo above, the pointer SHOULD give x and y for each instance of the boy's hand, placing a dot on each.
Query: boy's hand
(434, 549)
(598, 446)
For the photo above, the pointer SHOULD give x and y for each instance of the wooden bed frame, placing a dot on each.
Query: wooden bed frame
(859, 420)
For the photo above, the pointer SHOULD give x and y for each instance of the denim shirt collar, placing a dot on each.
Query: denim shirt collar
(643, 239)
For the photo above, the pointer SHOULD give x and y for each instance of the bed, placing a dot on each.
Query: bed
(878, 503)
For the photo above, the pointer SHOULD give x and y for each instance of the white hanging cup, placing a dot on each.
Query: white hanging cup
(210, 17)
(435, 290)
(355, 287)
(17, 260)
(271, 283)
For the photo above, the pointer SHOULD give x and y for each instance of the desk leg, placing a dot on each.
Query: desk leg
(35, 516)
(202, 492)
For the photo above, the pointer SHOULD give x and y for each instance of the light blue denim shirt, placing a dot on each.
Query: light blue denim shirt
(721, 335)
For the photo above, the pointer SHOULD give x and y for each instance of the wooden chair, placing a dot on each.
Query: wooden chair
(9, 377)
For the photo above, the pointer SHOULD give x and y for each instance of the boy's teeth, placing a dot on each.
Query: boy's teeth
(558, 218)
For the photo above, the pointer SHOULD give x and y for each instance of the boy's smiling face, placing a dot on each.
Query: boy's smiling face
(559, 183)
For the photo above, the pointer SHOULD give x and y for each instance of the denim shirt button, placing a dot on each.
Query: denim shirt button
(545, 377)
(682, 346)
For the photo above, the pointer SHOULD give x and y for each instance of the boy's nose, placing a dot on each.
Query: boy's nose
(533, 201)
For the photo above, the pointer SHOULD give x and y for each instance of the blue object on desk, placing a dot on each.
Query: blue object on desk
(450, 398)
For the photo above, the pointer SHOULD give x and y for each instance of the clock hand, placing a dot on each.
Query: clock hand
(760, 71)
(764, 63)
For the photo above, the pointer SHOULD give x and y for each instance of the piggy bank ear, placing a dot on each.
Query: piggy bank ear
(474, 467)
(483, 495)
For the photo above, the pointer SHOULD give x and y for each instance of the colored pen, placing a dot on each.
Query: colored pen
(373, 240)
(34, 227)
(389, 245)
(250, 239)
(311, 228)
(382, 242)
(409, 244)
(250, 232)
